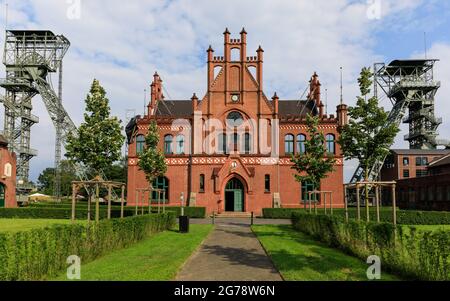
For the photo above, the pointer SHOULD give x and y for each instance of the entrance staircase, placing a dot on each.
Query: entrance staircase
(231, 214)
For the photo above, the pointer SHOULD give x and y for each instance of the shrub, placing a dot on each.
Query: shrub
(59, 213)
(402, 249)
(42, 253)
(192, 212)
(405, 217)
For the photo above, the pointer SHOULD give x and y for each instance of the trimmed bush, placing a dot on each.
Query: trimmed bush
(41, 254)
(405, 217)
(415, 254)
(58, 213)
(192, 212)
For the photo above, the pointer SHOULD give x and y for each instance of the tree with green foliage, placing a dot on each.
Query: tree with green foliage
(316, 163)
(367, 136)
(151, 159)
(98, 141)
(47, 178)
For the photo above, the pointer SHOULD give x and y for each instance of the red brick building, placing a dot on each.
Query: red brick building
(231, 149)
(8, 176)
(430, 192)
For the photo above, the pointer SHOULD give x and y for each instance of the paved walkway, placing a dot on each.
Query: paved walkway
(230, 252)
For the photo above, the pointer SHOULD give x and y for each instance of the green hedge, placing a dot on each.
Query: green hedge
(405, 217)
(41, 254)
(192, 212)
(415, 254)
(58, 213)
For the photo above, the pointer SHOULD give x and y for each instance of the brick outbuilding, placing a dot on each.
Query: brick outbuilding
(8, 175)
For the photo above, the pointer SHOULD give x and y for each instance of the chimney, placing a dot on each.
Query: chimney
(275, 103)
(342, 117)
(194, 99)
(314, 93)
(155, 92)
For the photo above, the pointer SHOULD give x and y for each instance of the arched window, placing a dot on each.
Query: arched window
(301, 147)
(168, 147)
(235, 142)
(202, 183)
(289, 144)
(235, 54)
(234, 119)
(222, 143)
(330, 143)
(161, 183)
(180, 144)
(247, 143)
(140, 142)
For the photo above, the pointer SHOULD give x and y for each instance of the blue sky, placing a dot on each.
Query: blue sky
(122, 43)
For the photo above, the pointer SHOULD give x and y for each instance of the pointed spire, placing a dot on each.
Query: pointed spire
(243, 31)
(275, 96)
(194, 96)
(226, 31)
(259, 49)
(210, 49)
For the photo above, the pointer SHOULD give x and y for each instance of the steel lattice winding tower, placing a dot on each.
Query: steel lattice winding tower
(29, 57)
(411, 88)
(411, 82)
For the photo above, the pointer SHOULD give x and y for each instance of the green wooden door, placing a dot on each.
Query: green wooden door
(238, 201)
(2, 195)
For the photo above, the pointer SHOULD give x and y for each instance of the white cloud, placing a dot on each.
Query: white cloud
(123, 43)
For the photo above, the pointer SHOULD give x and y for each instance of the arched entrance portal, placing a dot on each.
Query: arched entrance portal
(234, 196)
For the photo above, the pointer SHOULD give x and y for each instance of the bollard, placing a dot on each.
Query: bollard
(251, 221)
(213, 217)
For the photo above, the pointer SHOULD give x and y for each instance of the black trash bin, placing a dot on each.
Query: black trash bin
(184, 224)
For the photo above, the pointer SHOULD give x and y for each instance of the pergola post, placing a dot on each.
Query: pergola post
(377, 202)
(136, 202)
(394, 206)
(367, 204)
(73, 202)
(89, 205)
(358, 208)
(109, 201)
(346, 203)
(121, 201)
(150, 193)
(331, 203)
(309, 201)
(315, 208)
(142, 201)
(159, 201)
(164, 201)
(97, 205)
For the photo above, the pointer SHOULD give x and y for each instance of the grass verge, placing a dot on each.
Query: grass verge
(156, 258)
(299, 257)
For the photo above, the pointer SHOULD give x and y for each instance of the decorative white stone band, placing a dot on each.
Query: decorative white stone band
(222, 160)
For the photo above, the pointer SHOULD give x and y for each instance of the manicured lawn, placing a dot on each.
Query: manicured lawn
(156, 258)
(23, 224)
(299, 257)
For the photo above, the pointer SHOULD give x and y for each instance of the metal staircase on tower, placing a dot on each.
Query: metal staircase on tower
(411, 88)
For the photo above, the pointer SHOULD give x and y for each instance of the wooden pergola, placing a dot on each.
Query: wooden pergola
(322, 195)
(369, 185)
(97, 182)
(142, 191)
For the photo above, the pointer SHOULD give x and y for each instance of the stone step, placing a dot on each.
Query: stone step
(234, 215)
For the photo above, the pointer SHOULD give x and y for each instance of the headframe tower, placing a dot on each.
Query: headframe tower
(30, 56)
